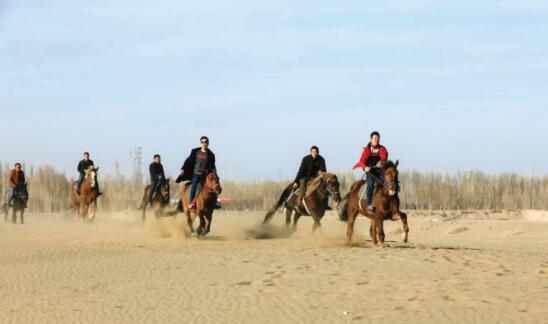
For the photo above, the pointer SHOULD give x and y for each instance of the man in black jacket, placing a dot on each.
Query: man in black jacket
(199, 163)
(83, 165)
(156, 176)
(310, 166)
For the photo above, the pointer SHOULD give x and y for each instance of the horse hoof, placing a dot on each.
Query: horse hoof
(380, 245)
(193, 235)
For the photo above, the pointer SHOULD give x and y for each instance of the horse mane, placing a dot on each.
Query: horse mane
(389, 164)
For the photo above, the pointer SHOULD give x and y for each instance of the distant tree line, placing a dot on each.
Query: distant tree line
(472, 190)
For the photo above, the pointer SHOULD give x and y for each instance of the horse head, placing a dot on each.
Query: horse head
(91, 174)
(165, 190)
(332, 185)
(390, 177)
(213, 183)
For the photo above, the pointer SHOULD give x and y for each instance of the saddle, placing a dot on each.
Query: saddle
(199, 188)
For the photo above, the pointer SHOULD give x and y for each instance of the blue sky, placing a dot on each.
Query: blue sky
(451, 85)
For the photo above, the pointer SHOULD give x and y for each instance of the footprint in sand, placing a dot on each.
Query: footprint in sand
(459, 230)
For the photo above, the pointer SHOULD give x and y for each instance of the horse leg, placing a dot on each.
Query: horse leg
(201, 227)
(288, 212)
(405, 234)
(380, 229)
(352, 214)
(23, 216)
(189, 221)
(208, 219)
(296, 220)
(14, 215)
(373, 231)
(143, 216)
(317, 225)
(93, 211)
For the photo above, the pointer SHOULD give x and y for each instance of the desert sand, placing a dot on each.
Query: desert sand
(457, 268)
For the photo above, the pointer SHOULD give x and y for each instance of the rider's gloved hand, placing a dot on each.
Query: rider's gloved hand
(295, 185)
(367, 169)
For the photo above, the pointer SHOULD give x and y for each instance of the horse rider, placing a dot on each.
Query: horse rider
(197, 166)
(157, 175)
(373, 157)
(83, 165)
(311, 165)
(16, 179)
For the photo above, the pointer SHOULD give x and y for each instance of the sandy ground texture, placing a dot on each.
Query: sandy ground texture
(472, 267)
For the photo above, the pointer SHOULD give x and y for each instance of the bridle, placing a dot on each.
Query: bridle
(328, 192)
(388, 185)
(211, 187)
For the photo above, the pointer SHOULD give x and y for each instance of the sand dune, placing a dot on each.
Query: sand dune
(456, 269)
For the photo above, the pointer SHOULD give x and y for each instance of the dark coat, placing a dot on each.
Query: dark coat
(84, 165)
(190, 163)
(310, 167)
(156, 171)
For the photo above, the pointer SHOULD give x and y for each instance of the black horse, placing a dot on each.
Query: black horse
(159, 200)
(18, 204)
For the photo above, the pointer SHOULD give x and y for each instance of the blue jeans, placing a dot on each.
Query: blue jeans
(196, 179)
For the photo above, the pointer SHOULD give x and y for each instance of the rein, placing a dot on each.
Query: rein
(327, 191)
(383, 183)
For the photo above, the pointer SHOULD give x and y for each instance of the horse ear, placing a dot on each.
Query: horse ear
(321, 173)
(397, 163)
(96, 169)
(168, 180)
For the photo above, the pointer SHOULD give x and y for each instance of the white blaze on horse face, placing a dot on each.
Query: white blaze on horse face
(92, 174)
(391, 192)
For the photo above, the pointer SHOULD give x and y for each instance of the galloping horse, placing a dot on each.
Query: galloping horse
(159, 200)
(19, 203)
(204, 204)
(85, 204)
(322, 187)
(385, 200)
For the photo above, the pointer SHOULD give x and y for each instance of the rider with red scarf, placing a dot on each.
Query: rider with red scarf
(373, 157)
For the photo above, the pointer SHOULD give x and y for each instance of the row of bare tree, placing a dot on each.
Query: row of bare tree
(50, 190)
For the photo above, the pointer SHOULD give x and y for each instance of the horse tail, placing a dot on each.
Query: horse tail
(343, 210)
(283, 197)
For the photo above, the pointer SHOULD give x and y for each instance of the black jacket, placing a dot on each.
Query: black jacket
(83, 165)
(190, 163)
(310, 167)
(156, 171)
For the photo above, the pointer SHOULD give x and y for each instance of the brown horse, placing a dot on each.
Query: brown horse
(204, 205)
(159, 200)
(85, 203)
(19, 203)
(385, 200)
(319, 190)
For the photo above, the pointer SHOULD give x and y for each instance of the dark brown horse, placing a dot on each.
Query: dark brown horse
(204, 204)
(19, 203)
(322, 187)
(159, 200)
(85, 203)
(385, 200)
